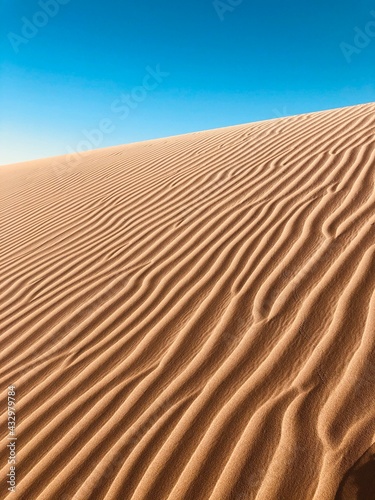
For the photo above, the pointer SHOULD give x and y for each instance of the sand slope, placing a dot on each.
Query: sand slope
(194, 318)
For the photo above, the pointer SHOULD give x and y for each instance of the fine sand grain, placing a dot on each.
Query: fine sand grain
(194, 317)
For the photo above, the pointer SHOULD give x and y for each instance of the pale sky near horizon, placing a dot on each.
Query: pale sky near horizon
(79, 75)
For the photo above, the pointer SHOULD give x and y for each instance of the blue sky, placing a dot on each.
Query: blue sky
(72, 72)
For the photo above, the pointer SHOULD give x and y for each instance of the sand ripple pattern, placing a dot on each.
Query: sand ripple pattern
(193, 317)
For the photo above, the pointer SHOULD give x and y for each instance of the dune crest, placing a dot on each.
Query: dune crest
(194, 317)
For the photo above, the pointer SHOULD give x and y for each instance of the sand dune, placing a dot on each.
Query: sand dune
(194, 317)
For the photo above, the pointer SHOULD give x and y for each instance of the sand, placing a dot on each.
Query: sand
(194, 317)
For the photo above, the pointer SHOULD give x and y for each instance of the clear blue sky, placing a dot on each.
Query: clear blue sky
(226, 65)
